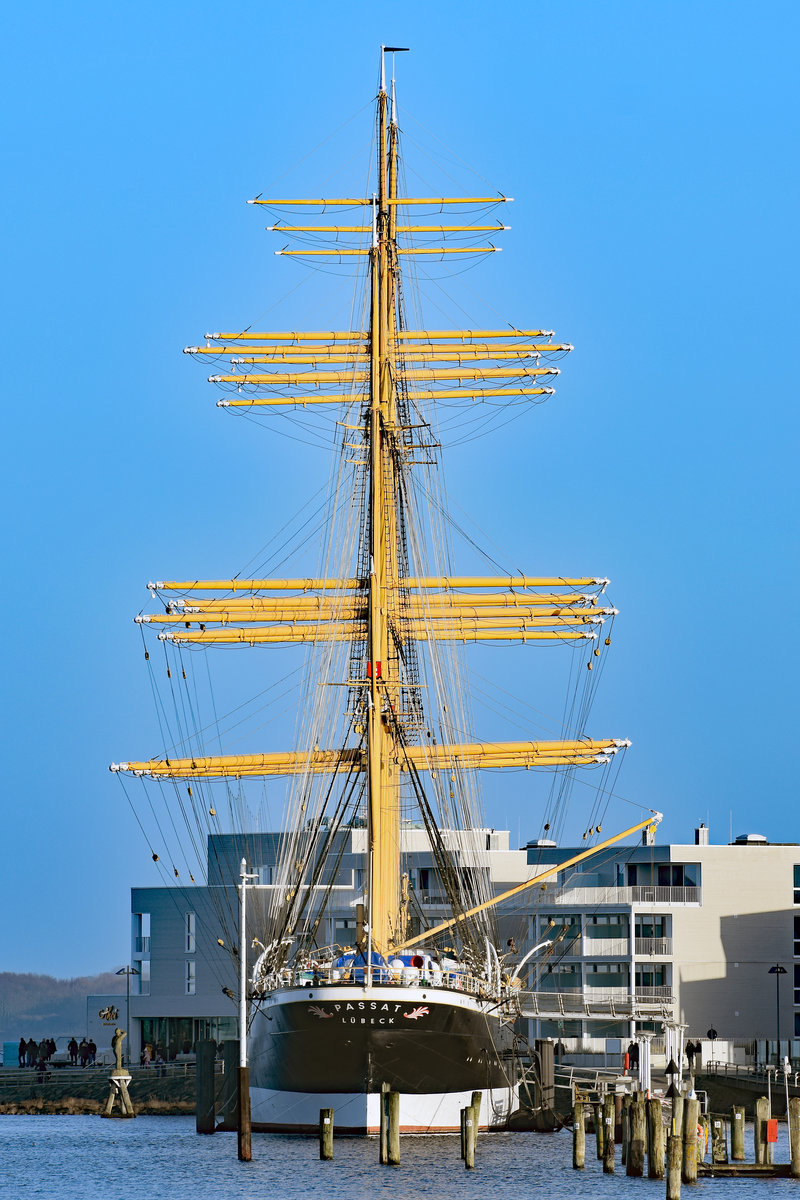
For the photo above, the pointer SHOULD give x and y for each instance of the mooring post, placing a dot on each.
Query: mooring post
(636, 1146)
(244, 1139)
(691, 1117)
(655, 1140)
(737, 1133)
(598, 1128)
(578, 1137)
(464, 1112)
(626, 1127)
(393, 1131)
(204, 1115)
(384, 1143)
(719, 1141)
(794, 1135)
(326, 1133)
(618, 1118)
(545, 1052)
(476, 1108)
(674, 1161)
(229, 1093)
(469, 1137)
(609, 1145)
(677, 1116)
(760, 1130)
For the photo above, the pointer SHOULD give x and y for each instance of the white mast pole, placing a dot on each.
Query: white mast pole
(243, 964)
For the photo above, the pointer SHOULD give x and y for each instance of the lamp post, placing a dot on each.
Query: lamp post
(127, 971)
(245, 1150)
(777, 971)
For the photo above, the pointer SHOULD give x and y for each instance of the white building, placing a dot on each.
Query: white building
(689, 931)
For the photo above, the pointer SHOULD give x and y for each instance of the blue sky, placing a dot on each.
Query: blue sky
(651, 151)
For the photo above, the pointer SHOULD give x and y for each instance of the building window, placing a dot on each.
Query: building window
(191, 978)
(190, 931)
(141, 933)
(797, 883)
(797, 1024)
(797, 983)
(652, 925)
(797, 937)
(607, 975)
(144, 976)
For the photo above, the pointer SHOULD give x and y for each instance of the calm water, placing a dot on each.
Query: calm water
(72, 1158)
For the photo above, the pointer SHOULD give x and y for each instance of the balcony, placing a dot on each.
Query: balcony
(645, 894)
(599, 947)
(659, 947)
(655, 993)
(141, 945)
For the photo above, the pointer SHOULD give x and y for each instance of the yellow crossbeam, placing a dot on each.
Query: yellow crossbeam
(292, 379)
(466, 631)
(490, 618)
(400, 228)
(400, 250)
(436, 603)
(407, 349)
(357, 335)
(399, 200)
(350, 398)
(426, 582)
(424, 758)
(319, 335)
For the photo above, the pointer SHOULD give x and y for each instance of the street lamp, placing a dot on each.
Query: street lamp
(777, 971)
(127, 972)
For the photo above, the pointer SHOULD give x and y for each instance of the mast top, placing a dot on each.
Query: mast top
(390, 50)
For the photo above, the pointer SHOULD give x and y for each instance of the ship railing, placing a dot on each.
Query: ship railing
(327, 975)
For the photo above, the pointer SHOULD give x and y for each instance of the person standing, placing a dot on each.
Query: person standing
(22, 1052)
(73, 1052)
(92, 1053)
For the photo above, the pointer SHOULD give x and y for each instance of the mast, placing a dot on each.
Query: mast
(392, 604)
(383, 788)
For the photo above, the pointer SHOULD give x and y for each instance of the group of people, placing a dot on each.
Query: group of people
(38, 1054)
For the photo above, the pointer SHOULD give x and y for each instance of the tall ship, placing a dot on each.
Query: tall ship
(424, 1007)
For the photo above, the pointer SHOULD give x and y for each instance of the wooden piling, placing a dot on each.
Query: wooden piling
(383, 1155)
(598, 1128)
(719, 1141)
(655, 1140)
(691, 1115)
(608, 1135)
(204, 1115)
(393, 1128)
(674, 1163)
(326, 1134)
(469, 1138)
(737, 1133)
(760, 1130)
(229, 1092)
(677, 1115)
(578, 1137)
(638, 1139)
(476, 1106)
(626, 1127)
(794, 1135)
(244, 1139)
(464, 1112)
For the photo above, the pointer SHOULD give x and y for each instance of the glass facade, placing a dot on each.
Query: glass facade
(170, 1036)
